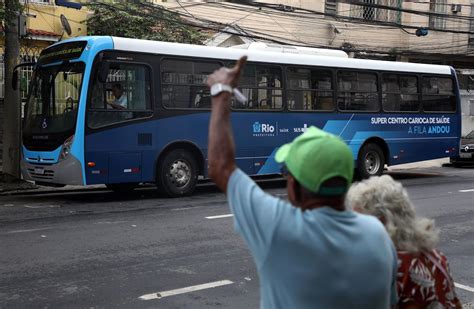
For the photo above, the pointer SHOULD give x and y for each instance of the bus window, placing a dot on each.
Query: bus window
(310, 89)
(183, 83)
(400, 93)
(438, 94)
(357, 91)
(125, 95)
(262, 85)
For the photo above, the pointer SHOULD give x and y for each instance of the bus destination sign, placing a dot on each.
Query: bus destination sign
(61, 52)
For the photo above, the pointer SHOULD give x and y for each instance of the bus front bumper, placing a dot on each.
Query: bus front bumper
(66, 172)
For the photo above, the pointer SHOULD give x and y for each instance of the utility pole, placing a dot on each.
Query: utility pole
(12, 105)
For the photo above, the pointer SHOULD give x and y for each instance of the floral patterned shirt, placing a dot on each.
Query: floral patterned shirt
(422, 282)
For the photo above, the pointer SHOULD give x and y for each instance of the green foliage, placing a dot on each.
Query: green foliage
(6, 14)
(140, 21)
(2, 12)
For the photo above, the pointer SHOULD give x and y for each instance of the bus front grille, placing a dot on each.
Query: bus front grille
(41, 174)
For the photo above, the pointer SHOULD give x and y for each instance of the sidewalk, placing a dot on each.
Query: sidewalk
(421, 164)
(24, 187)
(8, 184)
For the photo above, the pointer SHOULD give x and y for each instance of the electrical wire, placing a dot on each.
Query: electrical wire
(432, 43)
(215, 26)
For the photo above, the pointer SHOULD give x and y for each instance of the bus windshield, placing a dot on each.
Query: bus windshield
(51, 109)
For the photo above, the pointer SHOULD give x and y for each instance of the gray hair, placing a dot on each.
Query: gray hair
(387, 200)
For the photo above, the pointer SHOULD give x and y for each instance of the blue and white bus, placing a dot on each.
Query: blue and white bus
(116, 111)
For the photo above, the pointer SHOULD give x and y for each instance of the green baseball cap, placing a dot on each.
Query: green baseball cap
(316, 156)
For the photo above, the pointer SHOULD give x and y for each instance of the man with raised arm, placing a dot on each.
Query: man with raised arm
(310, 251)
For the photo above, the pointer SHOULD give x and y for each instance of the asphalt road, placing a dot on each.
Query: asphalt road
(94, 249)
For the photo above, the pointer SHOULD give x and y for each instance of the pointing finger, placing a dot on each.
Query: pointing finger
(239, 65)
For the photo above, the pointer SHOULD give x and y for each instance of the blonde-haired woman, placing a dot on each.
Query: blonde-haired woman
(424, 279)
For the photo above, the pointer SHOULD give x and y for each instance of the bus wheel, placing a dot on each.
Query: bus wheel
(122, 187)
(177, 173)
(370, 161)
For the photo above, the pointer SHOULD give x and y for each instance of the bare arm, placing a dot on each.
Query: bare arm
(115, 105)
(221, 149)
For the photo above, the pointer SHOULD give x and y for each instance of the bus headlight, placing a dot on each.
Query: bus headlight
(66, 148)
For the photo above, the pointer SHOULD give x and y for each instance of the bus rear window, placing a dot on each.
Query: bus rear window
(438, 94)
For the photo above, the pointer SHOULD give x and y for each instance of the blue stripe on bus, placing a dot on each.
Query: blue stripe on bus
(41, 156)
(94, 46)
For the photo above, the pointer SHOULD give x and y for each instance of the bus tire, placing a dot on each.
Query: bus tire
(177, 173)
(122, 188)
(370, 161)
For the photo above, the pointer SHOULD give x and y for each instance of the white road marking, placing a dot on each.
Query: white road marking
(109, 222)
(219, 217)
(467, 190)
(185, 208)
(27, 231)
(188, 289)
(464, 287)
(41, 206)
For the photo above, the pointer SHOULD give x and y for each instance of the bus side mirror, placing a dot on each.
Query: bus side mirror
(104, 71)
(15, 73)
(15, 80)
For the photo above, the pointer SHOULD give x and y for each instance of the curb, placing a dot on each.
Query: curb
(51, 191)
(420, 165)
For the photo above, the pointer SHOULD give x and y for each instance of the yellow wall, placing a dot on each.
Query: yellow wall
(47, 19)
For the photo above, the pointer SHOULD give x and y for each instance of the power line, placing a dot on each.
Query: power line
(265, 13)
(219, 27)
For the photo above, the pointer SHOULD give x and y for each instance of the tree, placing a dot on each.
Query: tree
(11, 121)
(140, 21)
(2, 13)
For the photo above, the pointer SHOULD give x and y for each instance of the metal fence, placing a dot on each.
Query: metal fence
(24, 76)
(368, 12)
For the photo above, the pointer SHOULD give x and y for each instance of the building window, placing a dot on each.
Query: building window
(41, 1)
(330, 7)
(368, 10)
(439, 7)
(471, 27)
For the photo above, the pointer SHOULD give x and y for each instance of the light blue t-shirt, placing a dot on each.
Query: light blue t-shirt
(122, 101)
(321, 258)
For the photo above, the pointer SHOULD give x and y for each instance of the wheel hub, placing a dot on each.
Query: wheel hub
(372, 162)
(180, 173)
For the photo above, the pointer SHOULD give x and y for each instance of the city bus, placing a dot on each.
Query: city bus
(120, 112)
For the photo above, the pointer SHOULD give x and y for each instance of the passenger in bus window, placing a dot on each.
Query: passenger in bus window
(120, 101)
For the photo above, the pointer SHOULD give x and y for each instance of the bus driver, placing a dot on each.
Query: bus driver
(120, 101)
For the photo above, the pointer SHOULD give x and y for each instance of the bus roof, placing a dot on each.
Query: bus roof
(288, 49)
(210, 52)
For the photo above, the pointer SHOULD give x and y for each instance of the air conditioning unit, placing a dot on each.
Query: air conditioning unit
(456, 8)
